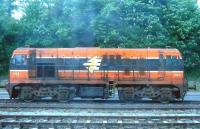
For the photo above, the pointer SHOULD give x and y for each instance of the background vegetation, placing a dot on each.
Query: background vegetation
(103, 23)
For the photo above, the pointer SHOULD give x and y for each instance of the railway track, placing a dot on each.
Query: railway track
(56, 118)
(99, 104)
(98, 122)
(99, 114)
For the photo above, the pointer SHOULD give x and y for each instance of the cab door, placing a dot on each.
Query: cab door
(142, 71)
(161, 66)
(32, 64)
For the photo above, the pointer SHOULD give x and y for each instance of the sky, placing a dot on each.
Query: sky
(198, 3)
(17, 14)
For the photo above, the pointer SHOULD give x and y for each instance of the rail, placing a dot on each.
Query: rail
(87, 122)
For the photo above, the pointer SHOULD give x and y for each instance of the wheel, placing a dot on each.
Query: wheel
(26, 94)
(166, 96)
(126, 94)
(65, 94)
(164, 100)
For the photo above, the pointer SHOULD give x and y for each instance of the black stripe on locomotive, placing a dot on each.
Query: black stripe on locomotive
(121, 65)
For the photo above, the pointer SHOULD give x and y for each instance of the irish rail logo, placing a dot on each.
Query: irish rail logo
(93, 64)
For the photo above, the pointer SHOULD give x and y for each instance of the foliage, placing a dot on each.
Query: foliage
(103, 23)
(59, 23)
(131, 24)
(182, 21)
(8, 34)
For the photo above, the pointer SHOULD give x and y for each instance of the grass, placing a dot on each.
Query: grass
(193, 74)
(3, 76)
(193, 77)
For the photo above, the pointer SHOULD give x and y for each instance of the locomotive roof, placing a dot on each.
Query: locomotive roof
(91, 52)
(165, 49)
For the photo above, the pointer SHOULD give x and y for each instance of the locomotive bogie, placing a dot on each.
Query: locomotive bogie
(60, 92)
(158, 93)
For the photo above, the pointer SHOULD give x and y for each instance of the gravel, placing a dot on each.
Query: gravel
(96, 112)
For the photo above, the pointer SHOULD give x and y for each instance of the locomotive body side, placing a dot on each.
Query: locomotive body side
(63, 73)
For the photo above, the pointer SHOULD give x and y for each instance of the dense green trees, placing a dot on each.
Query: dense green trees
(183, 24)
(132, 24)
(8, 33)
(103, 23)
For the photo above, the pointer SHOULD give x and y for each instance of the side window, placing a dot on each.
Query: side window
(19, 60)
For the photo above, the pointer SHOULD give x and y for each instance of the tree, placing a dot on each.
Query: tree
(182, 18)
(59, 23)
(8, 34)
(104, 23)
(131, 24)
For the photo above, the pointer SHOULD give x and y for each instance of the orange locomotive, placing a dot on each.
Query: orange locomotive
(63, 73)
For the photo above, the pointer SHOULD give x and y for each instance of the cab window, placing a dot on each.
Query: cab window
(19, 60)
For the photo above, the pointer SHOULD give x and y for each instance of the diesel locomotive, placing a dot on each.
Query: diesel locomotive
(65, 73)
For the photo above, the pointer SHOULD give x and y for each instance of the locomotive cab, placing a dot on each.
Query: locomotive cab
(18, 71)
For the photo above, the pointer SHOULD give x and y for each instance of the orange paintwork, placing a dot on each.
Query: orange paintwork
(137, 77)
(90, 52)
(172, 78)
(18, 74)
